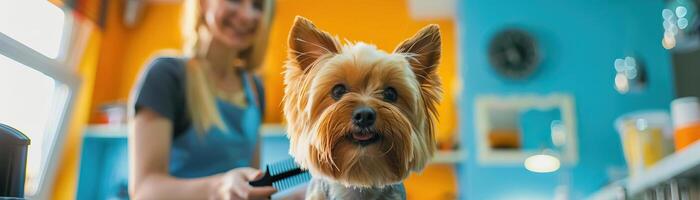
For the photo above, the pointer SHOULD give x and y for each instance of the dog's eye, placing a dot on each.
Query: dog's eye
(390, 94)
(338, 91)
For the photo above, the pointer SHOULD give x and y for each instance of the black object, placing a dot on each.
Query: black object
(514, 53)
(363, 117)
(13, 159)
(283, 175)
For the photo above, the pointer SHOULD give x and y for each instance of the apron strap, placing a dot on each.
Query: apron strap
(253, 90)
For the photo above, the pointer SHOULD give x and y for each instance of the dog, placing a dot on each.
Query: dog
(358, 118)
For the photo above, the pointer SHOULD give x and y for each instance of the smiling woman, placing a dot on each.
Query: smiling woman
(196, 117)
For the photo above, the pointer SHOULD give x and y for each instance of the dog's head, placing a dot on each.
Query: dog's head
(356, 114)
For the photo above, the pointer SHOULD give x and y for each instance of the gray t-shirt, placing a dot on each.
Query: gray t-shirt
(161, 88)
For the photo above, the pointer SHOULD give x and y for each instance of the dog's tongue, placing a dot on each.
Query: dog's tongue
(362, 136)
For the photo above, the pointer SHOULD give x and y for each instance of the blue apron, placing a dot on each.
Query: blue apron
(193, 155)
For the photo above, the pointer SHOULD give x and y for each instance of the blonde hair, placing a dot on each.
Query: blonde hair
(200, 95)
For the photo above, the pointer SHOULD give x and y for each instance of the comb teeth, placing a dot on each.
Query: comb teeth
(282, 166)
(291, 181)
(283, 175)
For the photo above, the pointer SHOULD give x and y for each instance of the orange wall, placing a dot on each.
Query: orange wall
(159, 29)
(109, 62)
(126, 50)
(66, 179)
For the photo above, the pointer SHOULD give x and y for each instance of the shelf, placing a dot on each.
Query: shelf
(273, 130)
(615, 190)
(684, 163)
(266, 130)
(448, 157)
(106, 131)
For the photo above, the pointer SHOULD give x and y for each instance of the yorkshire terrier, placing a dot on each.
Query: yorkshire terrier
(360, 119)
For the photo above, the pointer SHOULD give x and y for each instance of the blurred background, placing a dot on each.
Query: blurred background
(576, 99)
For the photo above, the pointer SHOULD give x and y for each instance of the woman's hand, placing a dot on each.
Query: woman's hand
(234, 185)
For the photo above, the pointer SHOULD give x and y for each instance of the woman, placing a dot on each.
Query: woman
(195, 119)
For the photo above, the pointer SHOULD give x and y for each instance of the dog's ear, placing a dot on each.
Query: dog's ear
(308, 43)
(423, 52)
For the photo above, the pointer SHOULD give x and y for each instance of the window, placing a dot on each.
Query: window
(37, 24)
(27, 105)
(36, 92)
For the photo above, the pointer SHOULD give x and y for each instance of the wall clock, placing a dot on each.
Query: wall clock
(514, 53)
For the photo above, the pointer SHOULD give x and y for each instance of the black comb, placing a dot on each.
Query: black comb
(283, 175)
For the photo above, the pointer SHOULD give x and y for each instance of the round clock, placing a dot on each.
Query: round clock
(514, 53)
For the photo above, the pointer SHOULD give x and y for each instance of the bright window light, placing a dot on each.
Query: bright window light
(28, 100)
(37, 24)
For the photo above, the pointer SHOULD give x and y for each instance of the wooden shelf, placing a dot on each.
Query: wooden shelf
(682, 164)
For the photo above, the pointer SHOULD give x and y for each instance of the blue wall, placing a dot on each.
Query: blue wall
(580, 39)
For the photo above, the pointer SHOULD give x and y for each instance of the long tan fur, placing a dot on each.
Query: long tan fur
(319, 125)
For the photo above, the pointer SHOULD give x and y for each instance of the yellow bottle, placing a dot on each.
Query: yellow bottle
(646, 139)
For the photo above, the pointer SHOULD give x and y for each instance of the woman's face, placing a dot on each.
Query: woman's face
(233, 22)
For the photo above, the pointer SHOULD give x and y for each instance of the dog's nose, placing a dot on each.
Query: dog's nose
(363, 117)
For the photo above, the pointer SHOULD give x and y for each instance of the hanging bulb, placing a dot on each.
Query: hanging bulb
(681, 11)
(622, 83)
(667, 14)
(668, 42)
(682, 23)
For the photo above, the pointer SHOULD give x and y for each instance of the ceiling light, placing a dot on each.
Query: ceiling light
(542, 163)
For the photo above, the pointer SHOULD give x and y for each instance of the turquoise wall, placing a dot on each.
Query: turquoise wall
(580, 39)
